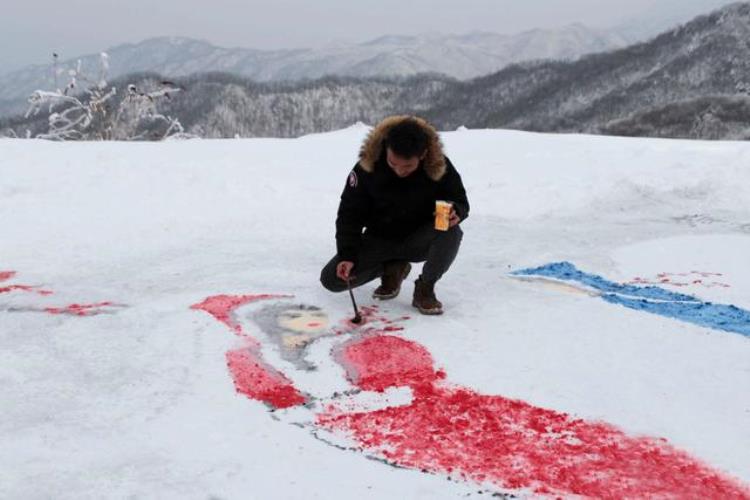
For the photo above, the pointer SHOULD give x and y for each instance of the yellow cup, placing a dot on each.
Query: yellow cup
(442, 215)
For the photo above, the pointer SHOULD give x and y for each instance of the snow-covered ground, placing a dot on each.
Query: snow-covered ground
(138, 402)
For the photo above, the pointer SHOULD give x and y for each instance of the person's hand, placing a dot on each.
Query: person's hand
(453, 218)
(344, 269)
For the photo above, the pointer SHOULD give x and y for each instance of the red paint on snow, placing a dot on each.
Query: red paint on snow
(75, 309)
(369, 314)
(378, 362)
(509, 443)
(79, 309)
(24, 288)
(393, 328)
(222, 307)
(693, 278)
(6, 275)
(252, 376)
(256, 380)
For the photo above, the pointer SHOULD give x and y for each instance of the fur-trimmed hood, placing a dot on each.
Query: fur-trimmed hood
(372, 148)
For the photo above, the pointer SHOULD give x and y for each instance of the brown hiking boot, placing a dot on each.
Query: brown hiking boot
(394, 274)
(424, 298)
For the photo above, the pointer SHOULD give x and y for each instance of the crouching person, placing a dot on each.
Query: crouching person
(386, 217)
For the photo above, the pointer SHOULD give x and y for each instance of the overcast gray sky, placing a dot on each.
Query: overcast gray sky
(31, 30)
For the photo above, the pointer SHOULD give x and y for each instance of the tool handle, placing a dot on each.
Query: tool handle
(357, 317)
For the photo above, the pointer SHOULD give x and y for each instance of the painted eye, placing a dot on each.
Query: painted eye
(291, 315)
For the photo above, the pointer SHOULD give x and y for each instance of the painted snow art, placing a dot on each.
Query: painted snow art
(372, 391)
(103, 307)
(650, 298)
(692, 278)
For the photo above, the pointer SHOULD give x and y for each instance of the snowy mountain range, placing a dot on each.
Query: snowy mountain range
(705, 59)
(692, 82)
(458, 56)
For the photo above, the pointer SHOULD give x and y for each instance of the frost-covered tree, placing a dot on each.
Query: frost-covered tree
(96, 114)
(70, 116)
(138, 118)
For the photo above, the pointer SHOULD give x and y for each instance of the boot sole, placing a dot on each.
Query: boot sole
(428, 312)
(398, 290)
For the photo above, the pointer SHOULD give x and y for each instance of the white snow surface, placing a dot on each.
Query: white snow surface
(140, 404)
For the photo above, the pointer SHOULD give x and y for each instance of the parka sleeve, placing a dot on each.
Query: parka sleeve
(354, 208)
(455, 191)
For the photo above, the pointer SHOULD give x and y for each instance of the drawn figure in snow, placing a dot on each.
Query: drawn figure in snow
(279, 339)
(380, 394)
(298, 344)
(292, 328)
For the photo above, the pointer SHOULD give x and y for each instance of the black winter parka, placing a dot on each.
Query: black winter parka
(390, 207)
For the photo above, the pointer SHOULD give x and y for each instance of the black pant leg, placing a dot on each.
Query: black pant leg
(373, 254)
(438, 250)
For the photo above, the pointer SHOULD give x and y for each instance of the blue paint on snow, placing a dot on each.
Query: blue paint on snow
(652, 299)
(568, 272)
(717, 316)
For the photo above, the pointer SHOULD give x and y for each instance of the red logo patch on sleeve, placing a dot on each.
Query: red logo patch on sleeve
(353, 179)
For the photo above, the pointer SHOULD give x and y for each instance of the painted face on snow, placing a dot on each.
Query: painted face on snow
(292, 327)
(302, 325)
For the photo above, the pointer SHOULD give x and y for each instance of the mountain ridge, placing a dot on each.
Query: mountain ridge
(700, 67)
(459, 56)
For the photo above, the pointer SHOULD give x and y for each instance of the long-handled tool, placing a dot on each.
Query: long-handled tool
(357, 317)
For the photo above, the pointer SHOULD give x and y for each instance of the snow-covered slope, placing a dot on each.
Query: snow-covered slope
(137, 401)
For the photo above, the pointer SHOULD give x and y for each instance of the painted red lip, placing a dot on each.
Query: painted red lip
(314, 325)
